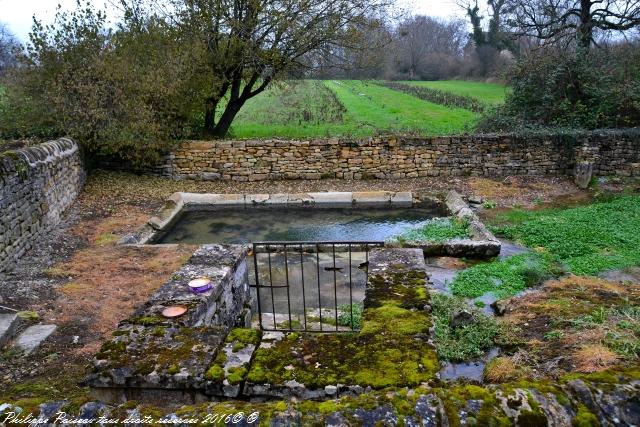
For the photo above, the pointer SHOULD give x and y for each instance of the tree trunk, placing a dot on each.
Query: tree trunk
(585, 29)
(222, 127)
(210, 116)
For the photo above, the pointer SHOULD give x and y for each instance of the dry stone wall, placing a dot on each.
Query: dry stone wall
(611, 152)
(37, 184)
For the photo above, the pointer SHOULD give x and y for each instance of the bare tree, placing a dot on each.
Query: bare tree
(423, 42)
(573, 20)
(369, 58)
(249, 43)
(8, 46)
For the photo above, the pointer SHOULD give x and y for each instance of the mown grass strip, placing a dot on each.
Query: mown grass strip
(490, 93)
(349, 108)
(386, 110)
(292, 109)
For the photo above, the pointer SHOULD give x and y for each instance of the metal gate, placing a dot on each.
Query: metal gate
(310, 286)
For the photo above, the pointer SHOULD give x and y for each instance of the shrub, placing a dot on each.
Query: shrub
(125, 93)
(553, 87)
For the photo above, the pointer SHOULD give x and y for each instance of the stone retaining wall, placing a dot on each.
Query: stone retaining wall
(611, 152)
(37, 184)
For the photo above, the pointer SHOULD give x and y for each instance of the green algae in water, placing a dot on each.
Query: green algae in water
(437, 230)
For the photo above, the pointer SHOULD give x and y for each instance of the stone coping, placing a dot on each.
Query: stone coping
(35, 155)
(480, 244)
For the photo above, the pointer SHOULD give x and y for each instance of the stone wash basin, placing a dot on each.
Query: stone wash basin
(479, 244)
(222, 347)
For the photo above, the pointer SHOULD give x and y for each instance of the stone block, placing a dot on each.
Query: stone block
(332, 199)
(371, 198)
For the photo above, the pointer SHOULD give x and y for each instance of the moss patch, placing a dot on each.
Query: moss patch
(244, 336)
(215, 373)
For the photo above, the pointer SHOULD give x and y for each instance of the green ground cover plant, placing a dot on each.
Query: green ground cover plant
(504, 278)
(345, 313)
(489, 93)
(437, 230)
(461, 343)
(587, 239)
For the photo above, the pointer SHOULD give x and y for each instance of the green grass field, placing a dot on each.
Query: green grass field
(491, 93)
(312, 108)
(353, 108)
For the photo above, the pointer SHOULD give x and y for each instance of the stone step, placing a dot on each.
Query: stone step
(8, 325)
(33, 336)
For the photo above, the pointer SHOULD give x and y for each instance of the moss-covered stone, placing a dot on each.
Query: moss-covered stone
(215, 373)
(165, 350)
(244, 336)
(389, 350)
(585, 418)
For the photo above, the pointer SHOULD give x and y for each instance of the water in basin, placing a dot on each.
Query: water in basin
(250, 225)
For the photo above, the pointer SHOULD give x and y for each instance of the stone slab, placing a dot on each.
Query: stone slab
(372, 198)
(8, 324)
(199, 200)
(331, 199)
(402, 199)
(33, 336)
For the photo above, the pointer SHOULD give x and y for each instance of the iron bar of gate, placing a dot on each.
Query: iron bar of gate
(350, 290)
(335, 286)
(304, 298)
(283, 246)
(318, 276)
(273, 303)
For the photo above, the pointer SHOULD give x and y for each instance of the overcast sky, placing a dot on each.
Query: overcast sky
(17, 13)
